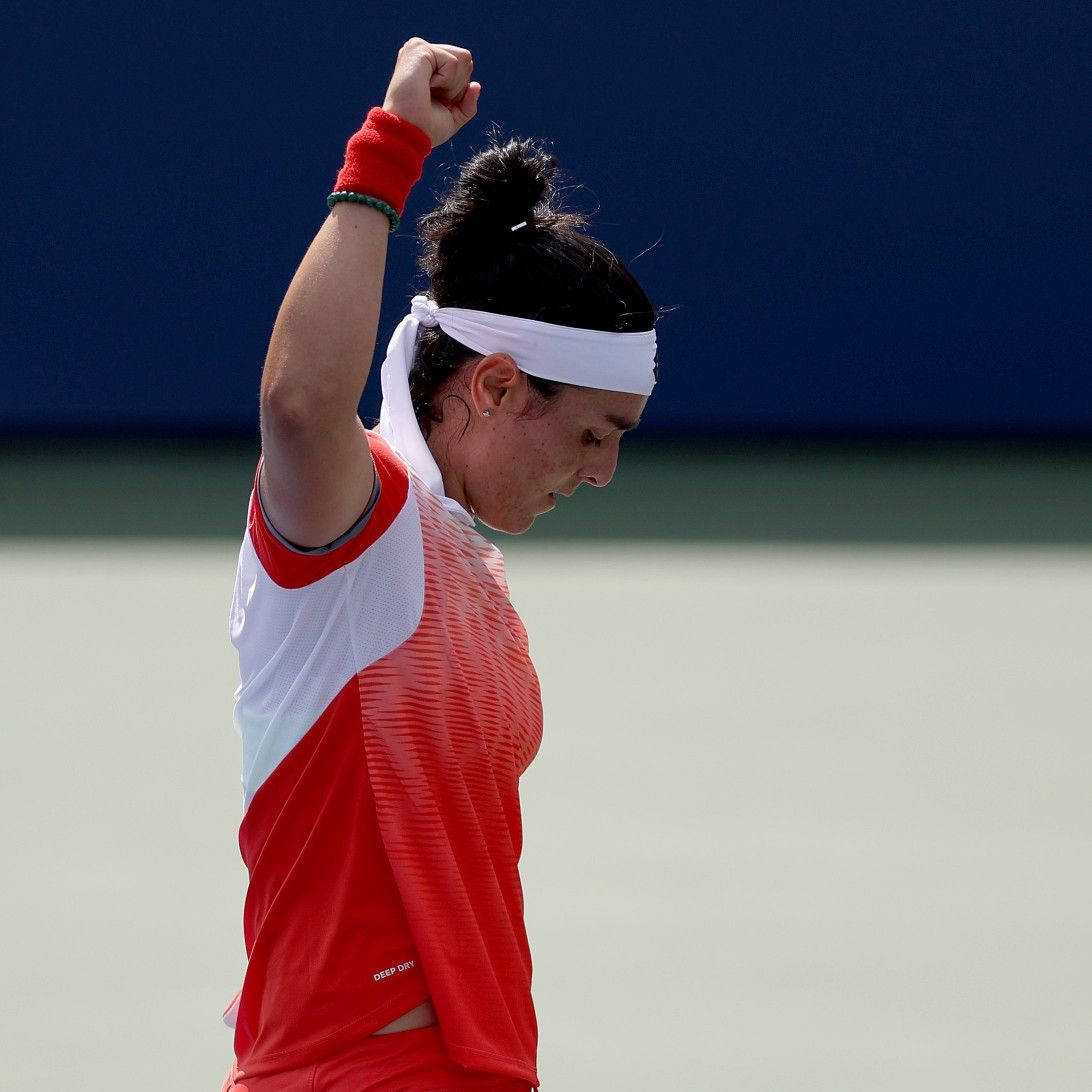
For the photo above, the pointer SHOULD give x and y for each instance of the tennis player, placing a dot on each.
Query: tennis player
(388, 703)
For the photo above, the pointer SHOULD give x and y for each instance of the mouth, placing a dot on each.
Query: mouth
(557, 494)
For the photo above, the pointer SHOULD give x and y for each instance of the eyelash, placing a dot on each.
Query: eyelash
(591, 438)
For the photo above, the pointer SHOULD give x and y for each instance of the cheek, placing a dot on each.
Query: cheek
(553, 464)
(521, 462)
(536, 453)
(535, 457)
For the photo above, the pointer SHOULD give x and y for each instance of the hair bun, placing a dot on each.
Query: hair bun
(504, 185)
(499, 189)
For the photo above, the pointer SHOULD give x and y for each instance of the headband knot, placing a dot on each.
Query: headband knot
(424, 309)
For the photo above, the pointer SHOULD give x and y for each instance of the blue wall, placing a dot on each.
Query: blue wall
(862, 216)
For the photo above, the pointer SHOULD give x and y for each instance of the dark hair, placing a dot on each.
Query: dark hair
(548, 270)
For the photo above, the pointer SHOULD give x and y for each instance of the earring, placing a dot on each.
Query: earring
(486, 413)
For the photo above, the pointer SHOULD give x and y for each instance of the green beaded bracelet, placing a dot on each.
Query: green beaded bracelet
(364, 199)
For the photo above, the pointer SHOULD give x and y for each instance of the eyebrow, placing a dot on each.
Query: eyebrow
(622, 422)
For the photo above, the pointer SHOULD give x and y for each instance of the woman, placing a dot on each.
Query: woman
(388, 704)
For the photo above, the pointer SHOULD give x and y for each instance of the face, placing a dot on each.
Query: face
(524, 454)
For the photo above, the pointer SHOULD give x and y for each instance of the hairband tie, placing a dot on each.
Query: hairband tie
(424, 309)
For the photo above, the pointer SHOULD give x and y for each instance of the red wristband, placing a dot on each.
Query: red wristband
(384, 158)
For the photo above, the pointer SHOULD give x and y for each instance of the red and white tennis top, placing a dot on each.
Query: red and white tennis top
(387, 708)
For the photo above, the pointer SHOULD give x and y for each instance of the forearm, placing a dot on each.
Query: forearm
(324, 337)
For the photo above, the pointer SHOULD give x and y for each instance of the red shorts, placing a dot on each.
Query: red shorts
(401, 1061)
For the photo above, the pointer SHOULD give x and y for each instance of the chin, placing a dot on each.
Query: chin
(510, 523)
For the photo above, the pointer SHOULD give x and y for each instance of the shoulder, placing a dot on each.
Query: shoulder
(292, 567)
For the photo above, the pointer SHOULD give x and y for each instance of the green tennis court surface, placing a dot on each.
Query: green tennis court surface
(810, 813)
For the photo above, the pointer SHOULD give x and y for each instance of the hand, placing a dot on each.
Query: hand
(430, 88)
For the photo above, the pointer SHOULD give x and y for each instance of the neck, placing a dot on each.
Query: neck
(443, 446)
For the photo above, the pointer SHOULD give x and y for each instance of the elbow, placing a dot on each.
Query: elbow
(305, 391)
(282, 408)
(292, 415)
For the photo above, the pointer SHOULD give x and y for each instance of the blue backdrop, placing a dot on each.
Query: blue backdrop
(858, 216)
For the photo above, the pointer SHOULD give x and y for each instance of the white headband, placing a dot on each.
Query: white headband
(565, 354)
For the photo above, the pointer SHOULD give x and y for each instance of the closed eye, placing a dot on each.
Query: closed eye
(591, 439)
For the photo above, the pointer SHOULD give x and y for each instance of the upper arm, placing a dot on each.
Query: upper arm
(315, 480)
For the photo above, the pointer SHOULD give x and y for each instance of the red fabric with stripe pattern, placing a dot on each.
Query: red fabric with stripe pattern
(383, 848)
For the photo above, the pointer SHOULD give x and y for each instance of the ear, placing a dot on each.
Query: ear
(495, 380)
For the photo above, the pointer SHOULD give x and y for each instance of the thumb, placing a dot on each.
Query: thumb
(467, 106)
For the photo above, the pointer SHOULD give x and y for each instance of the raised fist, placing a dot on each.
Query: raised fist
(431, 88)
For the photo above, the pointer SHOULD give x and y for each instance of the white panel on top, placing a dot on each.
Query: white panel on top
(299, 646)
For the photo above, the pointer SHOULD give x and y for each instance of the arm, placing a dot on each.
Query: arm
(317, 473)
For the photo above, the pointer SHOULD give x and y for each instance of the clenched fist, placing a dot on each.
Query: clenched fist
(431, 88)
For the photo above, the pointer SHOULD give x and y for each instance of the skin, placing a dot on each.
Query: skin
(519, 452)
(505, 457)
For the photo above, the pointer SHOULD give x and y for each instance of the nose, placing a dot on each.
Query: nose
(599, 470)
